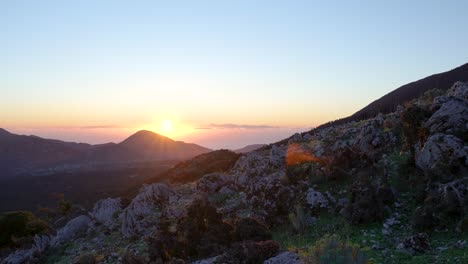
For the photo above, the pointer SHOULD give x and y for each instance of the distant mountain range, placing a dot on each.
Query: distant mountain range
(24, 154)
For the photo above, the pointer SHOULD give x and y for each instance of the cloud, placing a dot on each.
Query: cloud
(235, 126)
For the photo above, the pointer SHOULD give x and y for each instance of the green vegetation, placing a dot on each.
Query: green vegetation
(19, 226)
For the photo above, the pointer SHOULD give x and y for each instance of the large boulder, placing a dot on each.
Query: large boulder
(316, 200)
(144, 210)
(105, 212)
(443, 157)
(74, 228)
(450, 118)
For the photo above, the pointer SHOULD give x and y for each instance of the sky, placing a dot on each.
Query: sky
(222, 74)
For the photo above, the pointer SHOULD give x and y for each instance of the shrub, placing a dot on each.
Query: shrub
(331, 249)
(250, 229)
(298, 219)
(19, 224)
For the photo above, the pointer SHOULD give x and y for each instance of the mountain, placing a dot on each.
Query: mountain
(389, 102)
(23, 154)
(249, 148)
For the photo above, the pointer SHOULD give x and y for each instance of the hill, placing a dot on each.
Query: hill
(389, 102)
(21, 154)
(249, 148)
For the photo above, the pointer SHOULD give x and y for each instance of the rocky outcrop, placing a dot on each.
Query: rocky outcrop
(316, 200)
(74, 228)
(213, 182)
(284, 258)
(443, 157)
(450, 118)
(40, 244)
(145, 208)
(459, 90)
(106, 211)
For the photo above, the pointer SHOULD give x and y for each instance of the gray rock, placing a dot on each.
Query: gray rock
(143, 210)
(105, 212)
(440, 154)
(451, 118)
(206, 261)
(40, 244)
(284, 258)
(213, 182)
(74, 228)
(316, 200)
(459, 90)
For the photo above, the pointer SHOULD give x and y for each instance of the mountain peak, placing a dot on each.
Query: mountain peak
(144, 137)
(4, 131)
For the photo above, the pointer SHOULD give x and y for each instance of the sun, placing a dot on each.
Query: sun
(166, 126)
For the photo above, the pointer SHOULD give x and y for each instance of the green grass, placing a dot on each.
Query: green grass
(365, 236)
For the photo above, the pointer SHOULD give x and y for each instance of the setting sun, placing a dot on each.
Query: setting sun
(166, 126)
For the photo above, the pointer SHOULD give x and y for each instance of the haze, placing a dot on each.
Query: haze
(218, 73)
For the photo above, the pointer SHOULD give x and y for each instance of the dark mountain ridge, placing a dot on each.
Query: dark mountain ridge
(389, 102)
(23, 154)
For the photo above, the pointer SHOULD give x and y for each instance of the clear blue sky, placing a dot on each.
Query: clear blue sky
(285, 64)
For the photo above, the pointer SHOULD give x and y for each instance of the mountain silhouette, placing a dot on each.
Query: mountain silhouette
(22, 154)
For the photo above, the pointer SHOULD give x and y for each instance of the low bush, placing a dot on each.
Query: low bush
(19, 226)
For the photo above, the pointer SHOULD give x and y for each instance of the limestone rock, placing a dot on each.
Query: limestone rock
(443, 156)
(284, 258)
(143, 210)
(71, 230)
(451, 118)
(316, 200)
(104, 212)
(213, 182)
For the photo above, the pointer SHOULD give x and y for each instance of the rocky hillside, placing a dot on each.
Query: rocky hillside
(390, 189)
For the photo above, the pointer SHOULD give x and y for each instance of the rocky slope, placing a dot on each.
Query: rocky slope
(396, 186)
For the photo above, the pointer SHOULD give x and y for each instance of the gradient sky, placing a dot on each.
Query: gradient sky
(97, 71)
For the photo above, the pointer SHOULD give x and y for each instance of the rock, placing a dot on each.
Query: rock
(316, 200)
(40, 244)
(443, 157)
(144, 208)
(284, 258)
(295, 138)
(213, 182)
(414, 244)
(212, 260)
(105, 212)
(450, 118)
(459, 90)
(74, 228)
